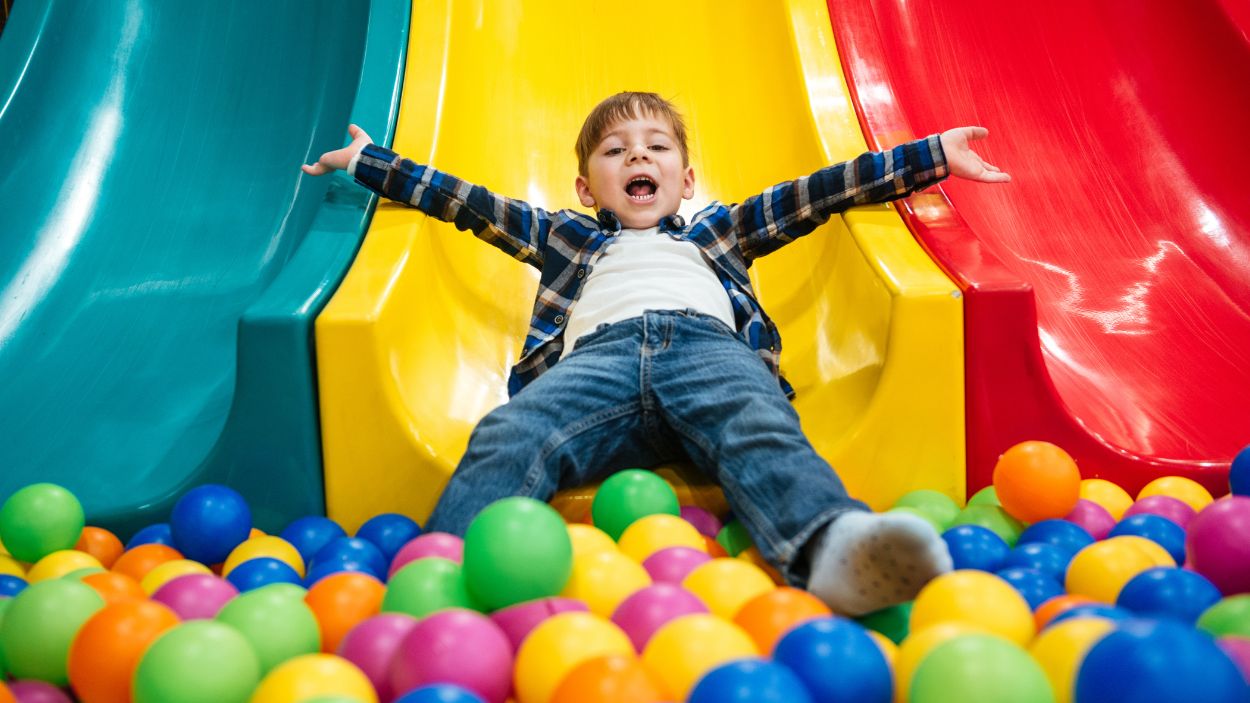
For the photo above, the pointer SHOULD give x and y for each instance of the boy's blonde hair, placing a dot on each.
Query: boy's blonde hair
(627, 106)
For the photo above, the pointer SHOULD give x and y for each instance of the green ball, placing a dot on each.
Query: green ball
(40, 519)
(894, 622)
(200, 661)
(985, 496)
(938, 527)
(631, 495)
(980, 669)
(427, 586)
(4, 666)
(278, 625)
(941, 508)
(1229, 617)
(994, 519)
(287, 590)
(734, 538)
(80, 574)
(517, 549)
(40, 626)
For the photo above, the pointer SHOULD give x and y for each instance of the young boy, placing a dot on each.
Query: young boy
(647, 343)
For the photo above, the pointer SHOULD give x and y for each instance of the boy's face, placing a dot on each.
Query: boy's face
(636, 172)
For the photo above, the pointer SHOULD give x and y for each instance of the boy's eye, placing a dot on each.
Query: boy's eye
(614, 151)
(659, 147)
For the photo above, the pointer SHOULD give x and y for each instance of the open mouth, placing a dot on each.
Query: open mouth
(641, 189)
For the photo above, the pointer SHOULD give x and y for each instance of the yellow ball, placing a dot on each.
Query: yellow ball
(1105, 493)
(1101, 569)
(264, 546)
(61, 562)
(688, 647)
(557, 646)
(888, 648)
(1060, 649)
(917, 646)
(975, 598)
(1183, 489)
(312, 676)
(588, 539)
(170, 570)
(725, 585)
(1158, 555)
(603, 579)
(11, 567)
(652, 533)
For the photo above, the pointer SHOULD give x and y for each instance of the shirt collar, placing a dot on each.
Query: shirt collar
(609, 222)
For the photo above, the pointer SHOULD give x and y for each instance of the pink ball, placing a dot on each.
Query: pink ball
(649, 609)
(1237, 649)
(671, 565)
(1217, 545)
(372, 644)
(31, 691)
(1093, 517)
(196, 596)
(705, 522)
(518, 620)
(459, 647)
(1168, 507)
(430, 544)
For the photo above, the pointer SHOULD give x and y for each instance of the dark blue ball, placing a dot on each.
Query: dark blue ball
(310, 534)
(210, 521)
(1160, 661)
(1068, 536)
(1042, 556)
(389, 532)
(439, 693)
(1036, 586)
(262, 571)
(1097, 610)
(152, 534)
(975, 547)
(11, 585)
(1159, 530)
(1239, 473)
(749, 681)
(837, 660)
(1167, 592)
(353, 549)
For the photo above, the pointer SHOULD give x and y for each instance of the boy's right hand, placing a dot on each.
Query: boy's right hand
(339, 158)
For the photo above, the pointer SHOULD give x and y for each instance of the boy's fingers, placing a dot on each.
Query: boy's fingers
(976, 132)
(317, 169)
(995, 177)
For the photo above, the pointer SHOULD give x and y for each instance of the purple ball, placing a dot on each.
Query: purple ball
(455, 646)
(1093, 517)
(1237, 649)
(371, 645)
(196, 596)
(705, 522)
(518, 620)
(31, 691)
(430, 544)
(1168, 507)
(1217, 546)
(673, 564)
(649, 609)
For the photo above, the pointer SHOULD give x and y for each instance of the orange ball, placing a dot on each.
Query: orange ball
(1056, 606)
(101, 544)
(137, 562)
(714, 548)
(613, 678)
(769, 616)
(6, 696)
(340, 602)
(114, 587)
(1037, 481)
(107, 649)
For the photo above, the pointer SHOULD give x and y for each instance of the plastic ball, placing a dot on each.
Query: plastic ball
(455, 646)
(516, 549)
(557, 646)
(975, 598)
(749, 681)
(983, 668)
(340, 602)
(266, 546)
(1238, 650)
(1239, 473)
(352, 553)
(389, 532)
(36, 692)
(985, 496)
(310, 535)
(372, 644)
(836, 660)
(11, 567)
(1060, 649)
(1100, 570)
(674, 564)
(40, 519)
(1110, 613)
(917, 512)
(313, 675)
(975, 547)
(640, 615)
(167, 571)
(195, 596)
(755, 557)
(937, 507)
(1036, 587)
(427, 586)
(603, 580)
(918, 645)
(1159, 661)
(769, 616)
(1112, 498)
(682, 651)
(439, 693)
(1047, 611)
(1037, 481)
(893, 622)
(152, 534)
(61, 563)
(992, 518)
(196, 662)
(11, 585)
(1161, 531)
(1173, 509)
(517, 621)
(1046, 558)
(101, 544)
(107, 648)
(703, 520)
(114, 587)
(734, 538)
(629, 495)
(648, 535)
(430, 544)
(209, 521)
(1217, 544)
(1228, 618)
(276, 622)
(725, 585)
(40, 624)
(1091, 517)
(1169, 592)
(137, 562)
(1184, 489)
(262, 571)
(614, 678)
(1065, 535)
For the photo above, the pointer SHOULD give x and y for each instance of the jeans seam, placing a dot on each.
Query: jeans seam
(569, 432)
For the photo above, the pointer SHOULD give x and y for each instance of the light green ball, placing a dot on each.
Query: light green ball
(201, 661)
(1228, 618)
(994, 519)
(940, 508)
(40, 625)
(980, 669)
(40, 519)
(985, 496)
(628, 496)
(923, 515)
(516, 549)
(427, 586)
(278, 625)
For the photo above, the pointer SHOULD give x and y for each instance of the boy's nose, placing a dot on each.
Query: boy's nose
(639, 154)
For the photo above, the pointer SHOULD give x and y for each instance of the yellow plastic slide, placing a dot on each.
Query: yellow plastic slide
(415, 346)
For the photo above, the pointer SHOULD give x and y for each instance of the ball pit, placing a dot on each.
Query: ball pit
(1218, 546)
(108, 647)
(614, 678)
(209, 521)
(557, 646)
(1060, 649)
(837, 661)
(517, 621)
(201, 661)
(311, 534)
(975, 598)
(278, 624)
(40, 519)
(685, 649)
(1091, 517)
(517, 549)
(266, 546)
(602, 580)
(674, 564)
(1112, 498)
(455, 646)
(431, 544)
(1164, 592)
(1184, 489)
(975, 547)
(340, 602)
(771, 615)
(750, 681)
(101, 544)
(195, 596)
(1168, 507)
(983, 668)
(312, 676)
(630, 495)
(39, 625)
(371, 645)
(159, 533)
(648, 609)
(389, 532)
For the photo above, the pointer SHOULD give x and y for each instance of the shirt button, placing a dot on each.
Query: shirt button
(581, 273)
(559, 319)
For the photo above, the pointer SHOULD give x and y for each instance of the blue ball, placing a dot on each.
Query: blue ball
(1167, 592)
(353, 549)
(1042, 556)
(439, 693)
(318, 571)
(310, 534)
(389, 532)
(1036, 586)
(749, 681)
(975, 547)
(837, 660)
(1159, 530)
(1161, 661)
(11, 585)
(262, 571)
(210, 521)
(152, 534)
(1097, 610)
(1065, 535)
(1239, 473)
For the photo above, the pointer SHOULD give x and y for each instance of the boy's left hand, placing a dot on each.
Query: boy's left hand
(966, 163)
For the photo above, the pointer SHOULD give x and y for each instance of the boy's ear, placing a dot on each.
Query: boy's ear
(687, 184)
(583, 191)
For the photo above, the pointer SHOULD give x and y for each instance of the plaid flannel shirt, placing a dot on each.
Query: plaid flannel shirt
(563, 245)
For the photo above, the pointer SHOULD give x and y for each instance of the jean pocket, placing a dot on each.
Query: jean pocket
(590, 337)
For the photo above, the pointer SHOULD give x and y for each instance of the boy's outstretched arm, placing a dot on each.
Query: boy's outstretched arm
(963, 162)
(339, 158)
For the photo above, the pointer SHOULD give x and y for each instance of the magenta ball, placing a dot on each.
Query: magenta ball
(1217, 544)
(705, 522)
(673, 564)
(37, 692)
(372, 644)
(518, 620)
(649, 609)
(455, 646)
(1093, 517)
(1168, 507)
(196, 596)
(1237, 649)
(430, 544)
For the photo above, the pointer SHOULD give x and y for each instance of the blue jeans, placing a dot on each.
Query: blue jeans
(665, 386)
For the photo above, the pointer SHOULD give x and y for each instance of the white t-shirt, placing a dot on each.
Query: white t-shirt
(645, 270)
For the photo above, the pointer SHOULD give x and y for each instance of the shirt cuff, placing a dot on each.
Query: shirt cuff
(351, 165)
